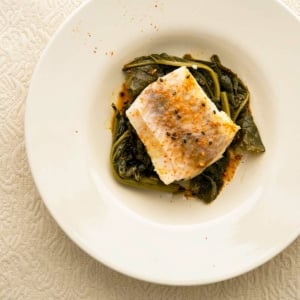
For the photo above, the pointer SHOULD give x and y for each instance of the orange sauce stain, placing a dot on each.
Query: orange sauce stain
(234, 161)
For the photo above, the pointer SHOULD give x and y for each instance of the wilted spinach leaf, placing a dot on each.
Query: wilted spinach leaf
(207, 185)
(247, 138)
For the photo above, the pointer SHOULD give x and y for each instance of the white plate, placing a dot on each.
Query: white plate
(153, 236)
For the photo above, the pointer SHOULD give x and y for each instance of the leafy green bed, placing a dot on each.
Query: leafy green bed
(131, 164)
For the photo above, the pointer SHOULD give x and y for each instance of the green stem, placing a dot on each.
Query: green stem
(117, 143)
(225, 103)
(237, 113)
(146, 183)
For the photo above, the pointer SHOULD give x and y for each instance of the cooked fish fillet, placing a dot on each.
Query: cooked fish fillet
(181, 128)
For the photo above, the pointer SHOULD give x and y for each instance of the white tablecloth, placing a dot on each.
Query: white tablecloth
(37, 260)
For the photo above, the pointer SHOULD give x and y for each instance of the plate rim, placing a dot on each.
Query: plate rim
(69, 232)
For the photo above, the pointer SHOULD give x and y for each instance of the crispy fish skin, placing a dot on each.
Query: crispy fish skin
(181, 128)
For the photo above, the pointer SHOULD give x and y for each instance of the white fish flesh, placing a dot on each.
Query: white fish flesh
(181, 128)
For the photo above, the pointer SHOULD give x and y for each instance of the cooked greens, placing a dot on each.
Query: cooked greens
(130, 161)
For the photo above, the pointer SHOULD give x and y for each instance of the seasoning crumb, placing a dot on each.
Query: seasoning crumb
(75, 29)
(153, 71)
(210, 142)
(174, 136)
(203, 104)
(155, 27)
(214, 112)
(110, 53)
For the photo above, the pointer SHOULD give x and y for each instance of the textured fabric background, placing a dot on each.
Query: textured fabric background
(37, 260)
